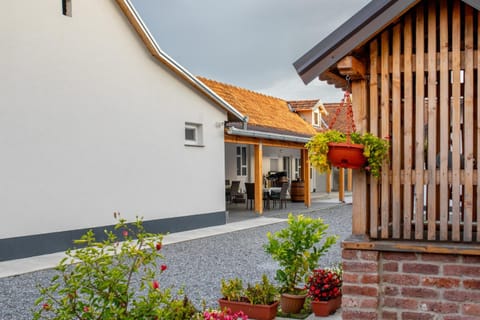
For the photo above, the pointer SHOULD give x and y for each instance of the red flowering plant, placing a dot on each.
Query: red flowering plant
(226, 314)
(325, 284)
(116, 278)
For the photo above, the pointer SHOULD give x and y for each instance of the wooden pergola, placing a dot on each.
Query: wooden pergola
(258, 144)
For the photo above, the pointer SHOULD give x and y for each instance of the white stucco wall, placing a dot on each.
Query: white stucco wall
(90, 123)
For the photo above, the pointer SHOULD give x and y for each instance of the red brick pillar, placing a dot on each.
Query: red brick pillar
(361, 287)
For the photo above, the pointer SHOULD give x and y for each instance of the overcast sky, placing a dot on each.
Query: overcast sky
(248, 43)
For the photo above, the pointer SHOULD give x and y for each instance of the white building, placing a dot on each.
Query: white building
(95, 119)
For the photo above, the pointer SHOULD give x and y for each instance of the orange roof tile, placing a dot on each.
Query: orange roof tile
(262, 110)
(299, 105)
(340, 119)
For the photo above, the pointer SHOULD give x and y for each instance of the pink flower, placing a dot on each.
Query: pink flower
(163, 267)
(86, 309)
(125, 233)
(155, 284)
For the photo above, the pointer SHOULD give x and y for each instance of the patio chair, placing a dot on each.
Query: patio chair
(235, 195)
(280, 196)
(250, 189)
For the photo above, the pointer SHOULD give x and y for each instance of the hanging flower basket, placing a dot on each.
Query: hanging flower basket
(347, 148)
(346, 155)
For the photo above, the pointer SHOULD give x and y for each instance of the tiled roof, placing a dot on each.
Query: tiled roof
(340, 119)
(264, 111)
(299, 105)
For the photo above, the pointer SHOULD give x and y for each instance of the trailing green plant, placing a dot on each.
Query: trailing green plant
(297, 250)
(263, 292)
(96, 281)
(375, 149)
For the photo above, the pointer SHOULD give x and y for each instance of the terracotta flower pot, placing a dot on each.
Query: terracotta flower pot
(255, 311)
(326, 308)
(346, 155)
(292, 303)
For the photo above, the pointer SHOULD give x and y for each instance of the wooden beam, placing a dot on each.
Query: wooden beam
(266, 142)
(258, 178)
(306, 178)
(413, 246)
(349, 180)
(359, 194)
(333, 78)
(328, 180)
(352, 67)
(341, 184)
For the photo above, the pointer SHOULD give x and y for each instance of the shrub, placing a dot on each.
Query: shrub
(96, 281)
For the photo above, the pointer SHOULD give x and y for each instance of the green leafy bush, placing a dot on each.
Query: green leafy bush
(296, 250)
(117, 278)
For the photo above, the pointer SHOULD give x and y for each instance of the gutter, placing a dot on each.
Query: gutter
(170, 62)
(266, 135)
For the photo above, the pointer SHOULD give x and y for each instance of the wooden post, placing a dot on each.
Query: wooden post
(349, 180)
(258, 179)
(359, 194)
(306, 177)
(341, 184)
(328, 181)
(355, 69)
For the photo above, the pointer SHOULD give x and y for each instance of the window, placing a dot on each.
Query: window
(286, 166)
(193, 134)
(67, 8)
(316, 118)
(297, 168)
(242, 161)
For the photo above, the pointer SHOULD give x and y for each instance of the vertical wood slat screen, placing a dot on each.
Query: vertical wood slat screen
(422, 93)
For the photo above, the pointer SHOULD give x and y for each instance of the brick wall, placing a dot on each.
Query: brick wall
(404, 286)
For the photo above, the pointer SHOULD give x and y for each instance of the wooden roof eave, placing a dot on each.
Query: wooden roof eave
(355, 32)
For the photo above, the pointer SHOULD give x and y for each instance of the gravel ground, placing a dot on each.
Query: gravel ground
(197, 265)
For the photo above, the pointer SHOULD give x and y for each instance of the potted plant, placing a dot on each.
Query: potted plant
(212, 314)
(258, 301)
(325, 290)
(296, 249)
(365, 151)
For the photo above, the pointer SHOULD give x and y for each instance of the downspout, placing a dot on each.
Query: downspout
(175, 66)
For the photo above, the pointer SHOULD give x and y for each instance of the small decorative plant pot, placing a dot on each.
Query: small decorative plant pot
(346, 155)
(292, 303)
(255, 311)
(326, 308)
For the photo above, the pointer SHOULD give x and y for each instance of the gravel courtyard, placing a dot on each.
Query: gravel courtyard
(196, 265)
